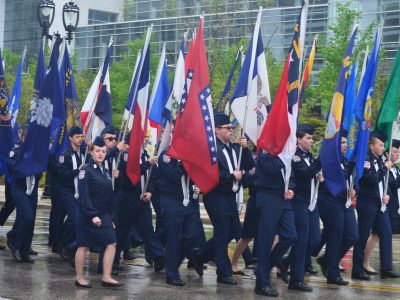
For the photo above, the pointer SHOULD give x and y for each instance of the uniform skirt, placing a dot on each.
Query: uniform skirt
(89, 235)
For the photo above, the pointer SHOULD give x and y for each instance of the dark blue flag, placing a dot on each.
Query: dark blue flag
(6, 138)
(363, 108)
(330, 153)
(47, 113)
(60, 138)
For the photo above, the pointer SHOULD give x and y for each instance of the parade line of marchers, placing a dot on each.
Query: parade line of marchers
(105, 182)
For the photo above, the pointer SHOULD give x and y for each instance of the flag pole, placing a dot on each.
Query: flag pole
(145, 47)
(90, 120)
(251, 69)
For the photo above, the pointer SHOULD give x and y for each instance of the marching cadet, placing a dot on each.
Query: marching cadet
(113, 148)
(94, 226)
(306, 172)
(393, 208)
(57, 212)
(181, 213)
(340, 226)
(220, 203)
(370, 198)
(25, 196)
(69, 165)
(133, 208)
(276, 216)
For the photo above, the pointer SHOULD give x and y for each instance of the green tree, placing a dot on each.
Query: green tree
(128, 9)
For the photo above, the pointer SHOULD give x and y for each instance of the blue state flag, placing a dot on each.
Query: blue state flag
(349, 119)
(161, 91)
(6, 138)
(330, 154)
(363, 108)
(47, 113)
(68, 88)
(16, 98)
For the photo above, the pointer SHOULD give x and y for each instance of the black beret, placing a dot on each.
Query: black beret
(108, 130)
(99, 141)
(379, 135)
(221, 119)
(306, 128)
(396, 143)
(75, 130)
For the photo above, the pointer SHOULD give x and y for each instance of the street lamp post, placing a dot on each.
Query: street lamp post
(70, 16)
(46, 9)
(70, 19)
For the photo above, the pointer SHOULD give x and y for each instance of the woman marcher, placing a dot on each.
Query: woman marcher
(393, 209)
(94, 226)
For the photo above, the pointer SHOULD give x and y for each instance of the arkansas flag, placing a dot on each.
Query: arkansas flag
(193, 141)
(279, 133)
(140, 92)
(96, 112)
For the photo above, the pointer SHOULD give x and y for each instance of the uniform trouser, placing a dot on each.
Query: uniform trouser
(69, 229)
(132, 211)
(161, 226)
(8, 206)
(304, 221)
(221, 209)
(340, 230)
(57, 216)
(182, 233)
(25, 219)
(275, 217)
(315, 236)
(370, 216)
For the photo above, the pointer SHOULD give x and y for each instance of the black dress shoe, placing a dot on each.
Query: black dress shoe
(85, 286)
(17, 256)
(251, 262)
(338, 281)
(239, 272)
(283, 271)
(176, 282)
(117, 267)
(27, 258)
(300, 286)
(111, 284)
(310, 270)
(197, 263)
(370, 272)
(267, 291)
(322, 264)
(32, 252)
(159, 264)
(360, 276)
(226, 280)
(389, 274)
(129, 255)
(2, 247)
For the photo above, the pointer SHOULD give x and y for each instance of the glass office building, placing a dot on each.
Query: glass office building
(227, 23)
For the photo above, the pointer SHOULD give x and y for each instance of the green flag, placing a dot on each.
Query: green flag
(390, 103)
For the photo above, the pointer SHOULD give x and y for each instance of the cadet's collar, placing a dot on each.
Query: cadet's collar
(302, 152)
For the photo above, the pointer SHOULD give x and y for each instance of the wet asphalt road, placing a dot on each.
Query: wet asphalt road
(51, 278)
